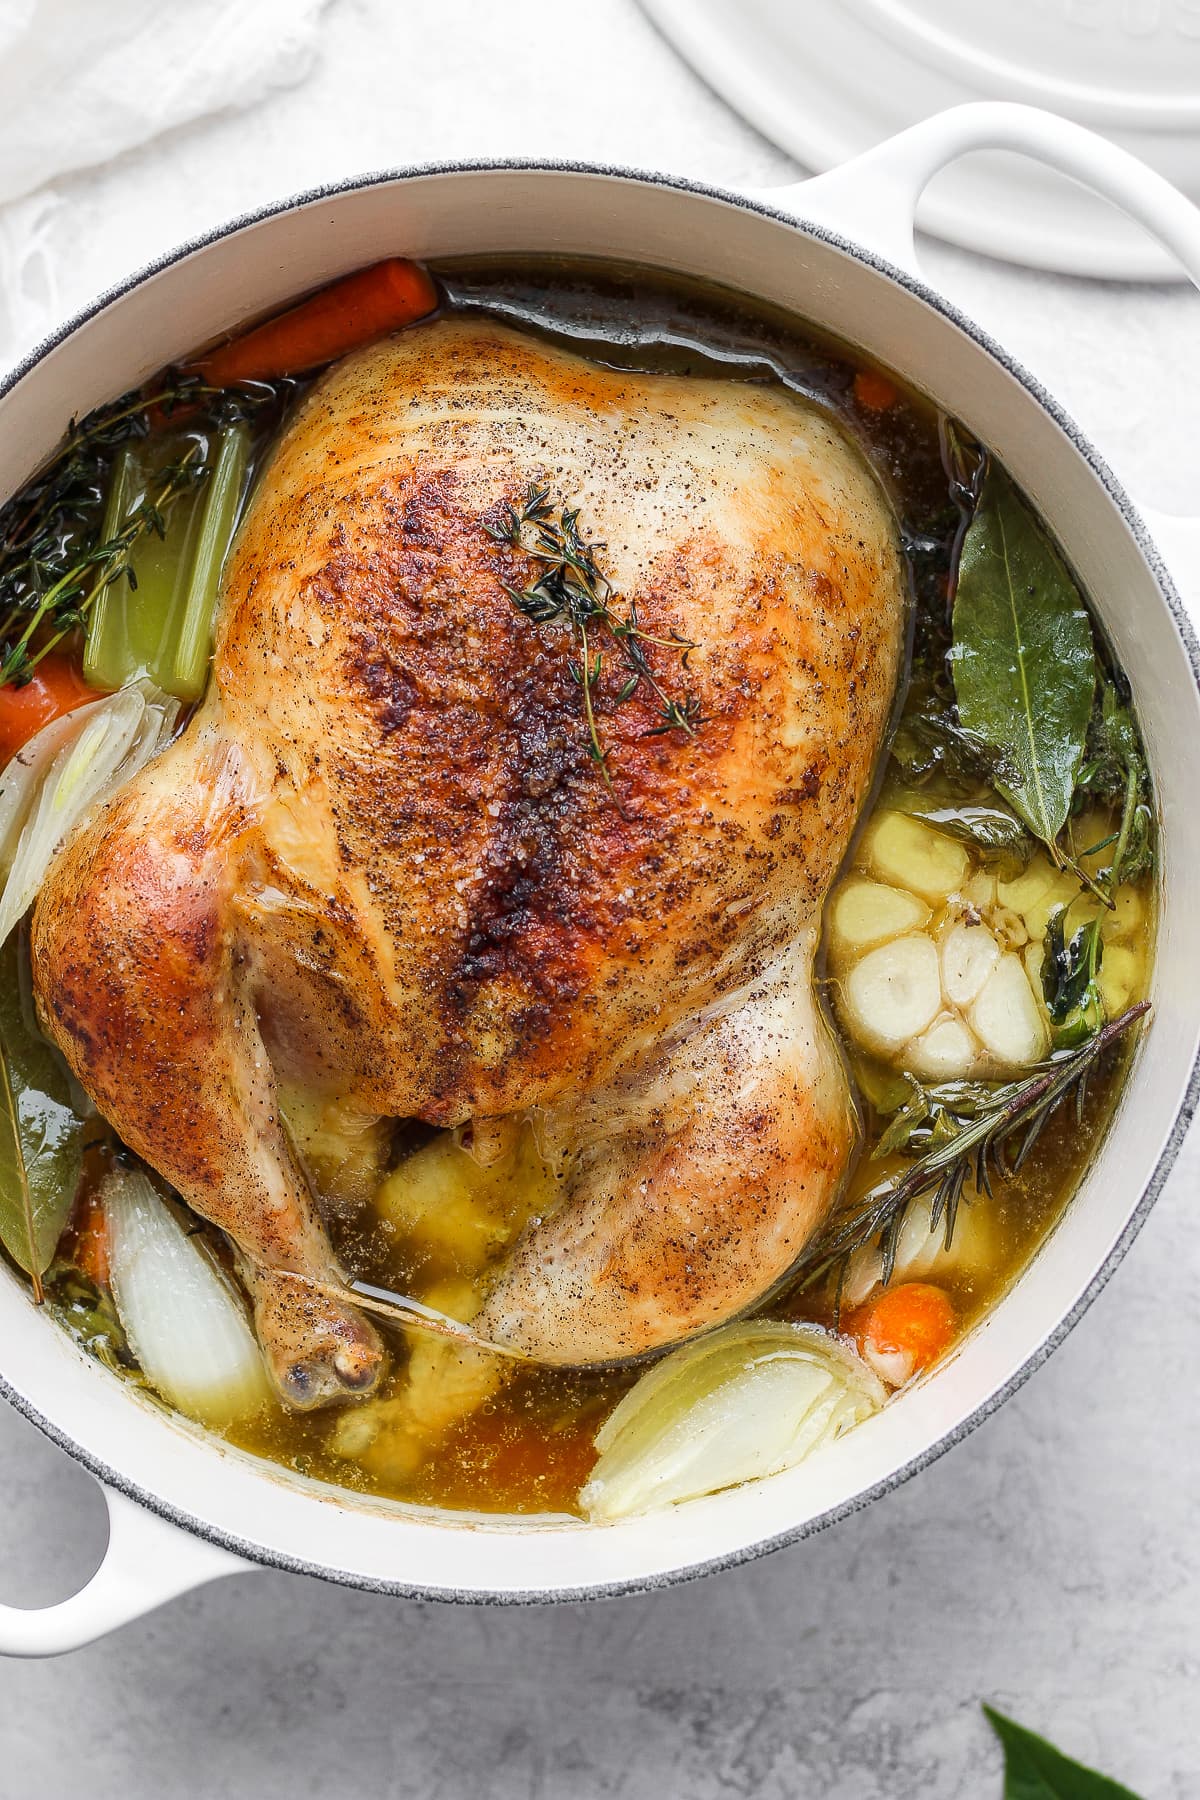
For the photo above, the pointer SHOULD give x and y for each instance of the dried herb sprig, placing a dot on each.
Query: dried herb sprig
(572, 587)
(969, 1129)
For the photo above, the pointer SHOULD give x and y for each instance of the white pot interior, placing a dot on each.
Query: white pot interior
(264, 263)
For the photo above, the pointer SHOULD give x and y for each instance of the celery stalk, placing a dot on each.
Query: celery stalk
(159, 621)
(192, 646)
(106, 652)
(134, 621)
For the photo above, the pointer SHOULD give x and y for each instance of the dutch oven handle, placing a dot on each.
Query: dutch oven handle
(873, 200)
(148, 1561)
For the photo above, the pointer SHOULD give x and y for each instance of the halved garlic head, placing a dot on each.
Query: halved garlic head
(945, 1002)
(937, 960)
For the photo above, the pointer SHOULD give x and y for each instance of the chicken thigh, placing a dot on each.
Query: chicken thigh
(384, 861)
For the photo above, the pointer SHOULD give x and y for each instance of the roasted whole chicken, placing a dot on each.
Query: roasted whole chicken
(417, 850)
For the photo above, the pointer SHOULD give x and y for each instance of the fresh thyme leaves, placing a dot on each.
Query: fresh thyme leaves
(678, 715)
(964, 1130)
(929, 1116)
(54, 557)
(930, 744)
(65, 604)
(573, 588)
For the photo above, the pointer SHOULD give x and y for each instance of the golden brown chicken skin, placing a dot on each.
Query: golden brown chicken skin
(383, 861)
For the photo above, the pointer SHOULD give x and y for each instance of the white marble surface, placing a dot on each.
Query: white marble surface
(1050, 1564)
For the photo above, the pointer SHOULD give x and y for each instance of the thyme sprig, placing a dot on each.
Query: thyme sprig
(964, 1130)
(572, 587)
(53, 563)
(65, 604)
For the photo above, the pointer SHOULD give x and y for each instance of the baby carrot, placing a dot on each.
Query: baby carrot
(341, 317)
(874, 391)
(56, 687)
(90, 1249)
(904, 1329)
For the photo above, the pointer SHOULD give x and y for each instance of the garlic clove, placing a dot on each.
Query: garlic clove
(1008, 1018)
(893, 993)
(1120, 971)
(921, 1253)
(945, 1052)
(895, 1367)
(1026, 889)
(908, 854)
(866, 913)
(1127, 915)
(969, 954)
(1063, 891)
(981, 888)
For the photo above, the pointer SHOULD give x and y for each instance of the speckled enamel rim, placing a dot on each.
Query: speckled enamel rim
(269, 1558)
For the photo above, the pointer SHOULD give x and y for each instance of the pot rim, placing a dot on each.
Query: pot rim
(270, 1557)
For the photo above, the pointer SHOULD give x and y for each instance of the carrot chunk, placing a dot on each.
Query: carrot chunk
(340, 318)
(89, 1249)
(874, 391)
(56, 687)
(904, 1329)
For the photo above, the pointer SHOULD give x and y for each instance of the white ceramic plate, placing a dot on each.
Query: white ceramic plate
(827, 79)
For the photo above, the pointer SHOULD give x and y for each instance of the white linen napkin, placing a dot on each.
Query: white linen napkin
(82, 81)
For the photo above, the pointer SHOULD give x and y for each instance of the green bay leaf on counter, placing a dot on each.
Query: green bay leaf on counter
(41, 1135)
(1023, 657)
(1035, 1770)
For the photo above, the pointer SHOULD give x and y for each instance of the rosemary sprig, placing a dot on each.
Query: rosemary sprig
(969, 1129)
(572, 587)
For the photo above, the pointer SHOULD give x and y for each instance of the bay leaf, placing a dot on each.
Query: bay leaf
(1023, 657)
(41, 1135)
(1035, 1770)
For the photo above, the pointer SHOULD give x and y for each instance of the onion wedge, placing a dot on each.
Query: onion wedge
(184, 1322)
(745, 1401)
(72, 765)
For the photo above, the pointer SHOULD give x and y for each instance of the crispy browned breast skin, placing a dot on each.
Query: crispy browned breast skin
(383, 851)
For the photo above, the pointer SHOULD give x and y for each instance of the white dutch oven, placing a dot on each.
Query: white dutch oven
(183, 1508)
